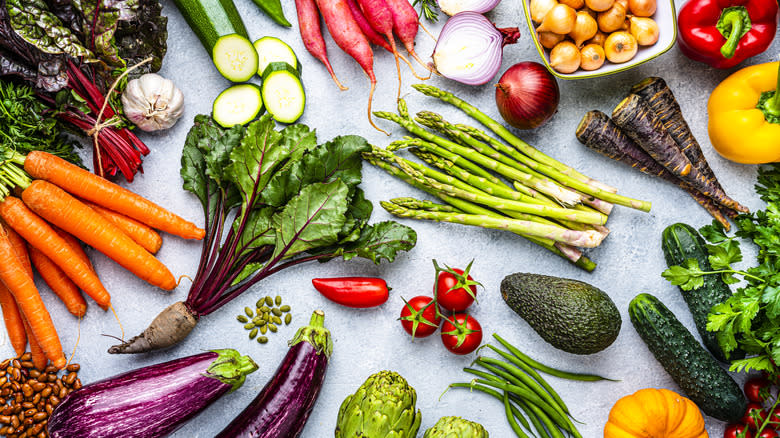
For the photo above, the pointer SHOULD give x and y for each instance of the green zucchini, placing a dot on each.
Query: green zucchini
(282, 92)
(270, 49)
(237, 105)
(681, 242)
(696, 372)
(235, 57)
(212, 19)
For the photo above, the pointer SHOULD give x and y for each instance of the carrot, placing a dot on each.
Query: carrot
(76, 245)
(599, 133)
(63, 210)
(661, 99)
(311, 34)
(140, 233)
(347, 35)
(15, 278)
(38, 356)
(20, 249)
(640, 122)
(14, 323)
(60, 284)
(93, 188)
(39, 234)
(405, 24)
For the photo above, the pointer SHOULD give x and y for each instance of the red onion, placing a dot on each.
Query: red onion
(452, 7)
(470, 48)
(527, 95)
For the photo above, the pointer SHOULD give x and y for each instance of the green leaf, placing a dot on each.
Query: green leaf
(757, 363)
(771, 297)
(723, 255)
(714, 233)
(358, 213)
(32, 20)
(298, 139)
(688, 277)
(381, 241)
(258, 230)
(312, 219)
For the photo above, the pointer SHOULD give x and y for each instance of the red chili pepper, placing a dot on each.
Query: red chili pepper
(358, 292)
(723, 33)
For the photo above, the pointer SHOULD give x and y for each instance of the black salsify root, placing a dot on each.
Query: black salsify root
(170, 327)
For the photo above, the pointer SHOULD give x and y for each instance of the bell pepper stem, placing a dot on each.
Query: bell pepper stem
(772, 106)
(734, 22)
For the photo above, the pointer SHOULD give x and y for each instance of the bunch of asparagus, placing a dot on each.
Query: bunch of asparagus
(648, 132)
(498, 184)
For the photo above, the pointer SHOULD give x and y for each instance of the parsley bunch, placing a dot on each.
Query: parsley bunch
(750, 318)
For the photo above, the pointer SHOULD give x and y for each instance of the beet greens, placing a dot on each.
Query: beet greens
(294, 201)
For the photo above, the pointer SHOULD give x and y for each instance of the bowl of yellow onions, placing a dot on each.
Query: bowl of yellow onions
(580, 39)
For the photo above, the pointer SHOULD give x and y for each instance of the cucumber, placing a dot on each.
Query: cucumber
(235, 57)
(681, 242)
(270, 49)
(696, 372)
(212, 19)
(238, 105)
(283, 92)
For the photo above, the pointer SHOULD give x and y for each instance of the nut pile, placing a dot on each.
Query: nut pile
(28, 396)
(267, 317)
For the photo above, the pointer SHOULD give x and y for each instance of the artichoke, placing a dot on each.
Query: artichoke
(383, 407)
(456, 427)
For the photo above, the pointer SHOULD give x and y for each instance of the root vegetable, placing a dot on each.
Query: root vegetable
(592, 57)
(565, 57)
(405, 25)
(598, 39)
(642, 8)
(585, 27)
(311, 34)
(548, 40)
(527, 95)
(574, 4)
(612, 19)
(620, 47)
(171, 326)
(599, 5)
(560, 19)
(645, 30)
(540, 8)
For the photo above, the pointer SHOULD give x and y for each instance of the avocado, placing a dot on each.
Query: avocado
(571, 315)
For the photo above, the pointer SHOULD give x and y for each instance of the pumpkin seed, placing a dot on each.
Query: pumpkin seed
(249, 326)
(285, 308)
(278, 300)
(242, 319)
(248, 312)
(287, 319)
(269, 301)
(262, 339)
(272, 327)
(276, 312)
(264, 309)
(277, 320)
(263, 328)
(261, 323)
(253, 333)
(260, 302)
(256, 320)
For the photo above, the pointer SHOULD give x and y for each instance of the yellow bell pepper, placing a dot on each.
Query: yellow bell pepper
(740, 129)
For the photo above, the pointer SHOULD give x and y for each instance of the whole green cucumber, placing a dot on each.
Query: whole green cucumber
(696, 372)
(681, 242)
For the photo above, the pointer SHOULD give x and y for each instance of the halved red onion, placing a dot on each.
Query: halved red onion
(470, 48)
(452, 7)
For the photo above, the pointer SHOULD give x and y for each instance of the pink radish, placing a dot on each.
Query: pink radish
(311, 34)
(347, 35)
(371, 34)
(405, 24)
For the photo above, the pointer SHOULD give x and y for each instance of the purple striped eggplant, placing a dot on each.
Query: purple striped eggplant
(152, 401)
(283, 406)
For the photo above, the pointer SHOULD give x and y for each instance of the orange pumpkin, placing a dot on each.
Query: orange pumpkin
(655, 413)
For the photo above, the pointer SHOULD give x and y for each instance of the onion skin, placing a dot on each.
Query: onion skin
(527, 95)
(481, 6)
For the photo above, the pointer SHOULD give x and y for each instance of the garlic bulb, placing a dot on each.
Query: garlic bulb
(152, 102)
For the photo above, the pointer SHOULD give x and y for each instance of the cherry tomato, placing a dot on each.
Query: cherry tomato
(768, 433)
(774, 419)
(754, 410)
(461, 333)
(419, 317)
(454, 289)
(734, 431)
(757, 389)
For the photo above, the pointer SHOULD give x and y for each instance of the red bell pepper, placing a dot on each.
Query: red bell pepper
(357, 292)
(723, 33)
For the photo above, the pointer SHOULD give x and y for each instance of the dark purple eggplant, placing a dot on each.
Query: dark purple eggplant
(283, 406)
(152, 401)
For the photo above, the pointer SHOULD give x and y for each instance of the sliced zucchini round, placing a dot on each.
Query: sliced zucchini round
(235, 57)
(270, 49)
(237, 105)
(283, 92)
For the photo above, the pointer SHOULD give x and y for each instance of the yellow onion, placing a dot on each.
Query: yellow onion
(612, 19)
(599, 5)
(560, 19)
(599, 39)
(592, 57)
(585, 27)
(565, 57)
(620, 47)
(548, 40)
(645, 30)
(642, 8)
(574, 4)
(540, 8)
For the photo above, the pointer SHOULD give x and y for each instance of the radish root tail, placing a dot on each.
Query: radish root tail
(411, 67)
(397, 65)
(419, 22)
(335, 79)
(370, 100)
(78, 339)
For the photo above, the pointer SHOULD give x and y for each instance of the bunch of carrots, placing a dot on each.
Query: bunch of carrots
(354, 26)
(59, 206)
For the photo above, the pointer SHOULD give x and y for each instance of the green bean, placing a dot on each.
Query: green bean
(531, 372)
(496, 395)
(562, 421)
(553, 428)
(540, 429)
(528, 395)
(549, 370)
(529, 382)
(510, 416)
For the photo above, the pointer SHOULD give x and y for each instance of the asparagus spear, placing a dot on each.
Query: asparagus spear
(455, 158)
(504, 133)
(585, 239)
(418, 204)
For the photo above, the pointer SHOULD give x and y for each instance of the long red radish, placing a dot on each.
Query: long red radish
(347, 35)
(405, 25)
(15, 278)
(38, 233)
(14, 323)
(63, 210)
(59, 283)
(140, 233)
(311, 34)
(87, 185)
(39, 358)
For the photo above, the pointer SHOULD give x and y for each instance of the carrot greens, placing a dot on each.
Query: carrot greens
(271, 199)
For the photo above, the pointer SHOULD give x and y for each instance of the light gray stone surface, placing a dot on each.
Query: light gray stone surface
(630, 260)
